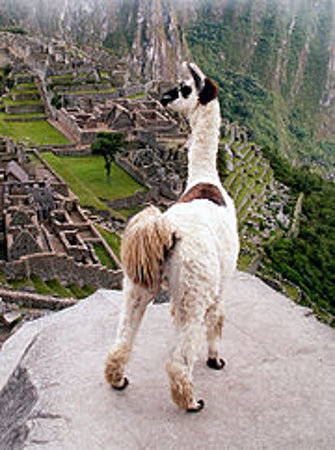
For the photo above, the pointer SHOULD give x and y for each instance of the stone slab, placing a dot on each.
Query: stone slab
(276, 392)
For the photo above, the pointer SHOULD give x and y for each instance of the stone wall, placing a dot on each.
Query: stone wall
(24, 108)
(25, 119)
(63, 268)
(139, 198)
(131, 169)
(85, 137)
(33, 300)
(68, 123)
(82, 87)
(85, 151)
(95, 96)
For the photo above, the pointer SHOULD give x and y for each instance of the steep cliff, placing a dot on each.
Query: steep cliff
(146, 33)
(277, 76)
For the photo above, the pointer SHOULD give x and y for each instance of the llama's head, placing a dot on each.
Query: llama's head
(196, 89)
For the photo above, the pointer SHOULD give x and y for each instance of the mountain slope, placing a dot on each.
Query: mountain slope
(275, 61)
(274, 66)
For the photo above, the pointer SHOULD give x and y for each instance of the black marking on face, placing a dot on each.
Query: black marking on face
(185, 90)
(170, 96)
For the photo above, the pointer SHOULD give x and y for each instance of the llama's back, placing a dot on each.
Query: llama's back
(190, 241)
(208, 237)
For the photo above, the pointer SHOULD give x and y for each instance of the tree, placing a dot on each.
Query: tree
(107, 145)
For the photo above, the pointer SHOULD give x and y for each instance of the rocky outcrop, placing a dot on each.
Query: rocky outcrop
(275, 392)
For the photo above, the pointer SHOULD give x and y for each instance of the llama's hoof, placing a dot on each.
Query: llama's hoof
(123, 385)
(215, 364)
(198, 408)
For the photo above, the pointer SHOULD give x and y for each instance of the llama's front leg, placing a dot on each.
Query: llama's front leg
(136, 300)
(180, 367)
(214, 323)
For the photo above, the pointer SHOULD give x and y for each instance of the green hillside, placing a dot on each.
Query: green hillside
(272, 65)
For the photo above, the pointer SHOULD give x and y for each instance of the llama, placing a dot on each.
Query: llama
(191, 249)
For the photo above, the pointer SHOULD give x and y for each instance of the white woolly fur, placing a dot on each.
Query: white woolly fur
(197, 268)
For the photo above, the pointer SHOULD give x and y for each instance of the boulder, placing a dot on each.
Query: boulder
(276, 391)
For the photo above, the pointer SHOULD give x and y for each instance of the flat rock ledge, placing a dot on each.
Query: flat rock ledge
(277, 390)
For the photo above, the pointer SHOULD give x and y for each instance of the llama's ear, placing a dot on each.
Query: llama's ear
(198, 76)
(209, 92)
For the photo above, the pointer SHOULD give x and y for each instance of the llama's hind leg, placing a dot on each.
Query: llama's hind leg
(180, 366)
(136, 300)
(214, 322)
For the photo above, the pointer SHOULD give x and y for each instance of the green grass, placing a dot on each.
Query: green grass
(129, 212)
(25, 85)
(112, 239)
(104, 257)
(79, 292)
(2, 278)
(136, 96)
(20, 116)
(27, 92)
(65, 75)
(90, 91)
(20, 283)
(87, 179)
(58, 289)
(38, 133)
(292, 291)
(40, 286)
(244, 261)
(244, 211)
(229, 178)
(10, 102)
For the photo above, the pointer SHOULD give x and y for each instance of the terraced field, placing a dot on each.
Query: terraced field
(249, 180)
(50, 287)
(23, 118)
(259, 199)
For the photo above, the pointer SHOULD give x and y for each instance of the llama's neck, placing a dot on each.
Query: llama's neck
(203, 144)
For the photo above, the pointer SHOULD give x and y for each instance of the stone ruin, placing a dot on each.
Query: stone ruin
(156, 154)
(42, 217)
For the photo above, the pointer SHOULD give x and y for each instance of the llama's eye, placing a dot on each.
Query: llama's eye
(185, 90)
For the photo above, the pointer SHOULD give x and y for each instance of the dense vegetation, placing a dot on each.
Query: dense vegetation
(308, 258)
(272, 68)
(271, 65)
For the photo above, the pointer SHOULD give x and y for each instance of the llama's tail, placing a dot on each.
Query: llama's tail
(146, 243)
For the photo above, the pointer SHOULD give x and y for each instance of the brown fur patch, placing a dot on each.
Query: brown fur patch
(205, 191)
(209, 92)
(146, 243)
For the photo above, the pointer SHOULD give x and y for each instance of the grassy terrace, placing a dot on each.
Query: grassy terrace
(104, 257)
(26, 91)
(20, 116)
(11, 102)
(31, 85)
(37, 133)
(90, 91)
(112, 239)
(49, 287)
(136, 96)
(87, 179)
(58, 77)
